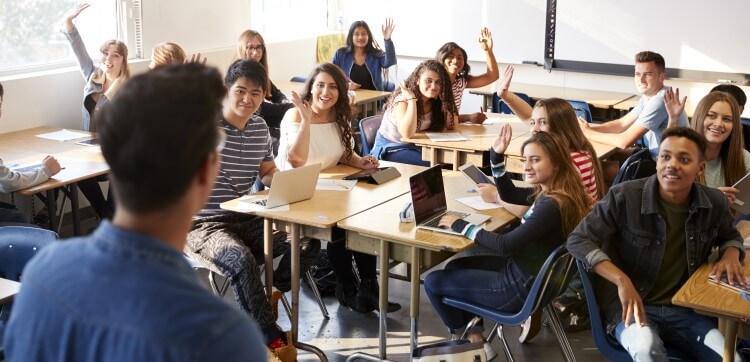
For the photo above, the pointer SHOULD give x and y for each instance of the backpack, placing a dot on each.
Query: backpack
(323, 275)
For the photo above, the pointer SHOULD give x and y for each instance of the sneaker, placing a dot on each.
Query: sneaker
(531, 327)
(489, 352)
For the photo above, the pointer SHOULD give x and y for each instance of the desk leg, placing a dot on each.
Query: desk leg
(52, 209)
(268, 254)
(433, 156)
(456, 159)
(416, 257)
(384, 258)
(488, 103)
(74, 209)
(730, 340)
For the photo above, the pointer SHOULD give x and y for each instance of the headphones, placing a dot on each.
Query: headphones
(407, 214)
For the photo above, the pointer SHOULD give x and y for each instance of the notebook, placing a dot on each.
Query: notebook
(428, 200)
(290, 186)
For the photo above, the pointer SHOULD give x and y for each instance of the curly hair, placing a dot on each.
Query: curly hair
(342, 109)
(444, 102)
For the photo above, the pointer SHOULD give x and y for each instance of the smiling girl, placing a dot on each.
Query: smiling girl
(361, 59)
(423, 102)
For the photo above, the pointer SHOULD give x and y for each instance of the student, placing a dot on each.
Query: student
(558, 202)
(171, 53)
(251, 46)
(11, 181)
(717, 117)
(648, 117)
(557, 116)
(318, 130)
(736, 92)
(621, 240)
(102, 84)
(227, 241)
(454, 58)
(423, 102)
(126, 292)
(362, 60)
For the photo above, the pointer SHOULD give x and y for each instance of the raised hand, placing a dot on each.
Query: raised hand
(388, 28)
(674, 106)
(503, 139)
(504, 84)
(303, 107)
(406, 92)
(485, 40)
(195, 58)
(72, 14)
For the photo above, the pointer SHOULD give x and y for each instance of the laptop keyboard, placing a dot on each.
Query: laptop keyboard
(434, 221)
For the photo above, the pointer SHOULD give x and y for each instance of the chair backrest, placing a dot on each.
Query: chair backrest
(582, 109)
(389, 86)
(368, 127)
(498, 106)
(18, 244)
(551, 281)
(638, 165)
(299, 79)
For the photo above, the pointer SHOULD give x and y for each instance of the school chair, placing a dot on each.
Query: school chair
(389, 86)
(18, 244)
(582, 110)
(298, 79)
(368, 128)
(638, 165)
(550, 282)
(498, 106)
(606, 343)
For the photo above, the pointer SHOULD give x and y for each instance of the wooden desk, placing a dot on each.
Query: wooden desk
(599, 99)
(422, 249)
(365, 100)
(316, 217)
(78, 161)
(8, 289)
(513, 155)
(479, 141)
(714, 300)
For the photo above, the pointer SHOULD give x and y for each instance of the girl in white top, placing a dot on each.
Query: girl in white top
(318, 130)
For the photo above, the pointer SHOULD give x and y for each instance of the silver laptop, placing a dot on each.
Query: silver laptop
(290, 186)
(428, 200)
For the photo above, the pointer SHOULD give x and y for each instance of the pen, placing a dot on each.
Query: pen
(340, 185)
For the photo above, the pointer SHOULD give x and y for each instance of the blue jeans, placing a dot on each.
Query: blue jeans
(383, 149)
(678, 327)
(488, 280)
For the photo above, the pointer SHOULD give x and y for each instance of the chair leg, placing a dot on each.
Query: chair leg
(493, 332)
(504, 342)
(471, 324)
(316, 292)
(557, 328)
(285, 303)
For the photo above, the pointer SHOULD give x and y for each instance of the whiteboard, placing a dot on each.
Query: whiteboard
(690, 34)
(423, 26)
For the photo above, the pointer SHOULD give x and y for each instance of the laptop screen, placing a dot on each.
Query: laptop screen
(427, 194)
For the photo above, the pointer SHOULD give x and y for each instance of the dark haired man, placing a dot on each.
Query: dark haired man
(649, 117)
(126, 292)
(645, 238)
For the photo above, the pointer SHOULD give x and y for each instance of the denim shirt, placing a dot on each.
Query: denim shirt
(374, 62)
(117, 295)
(625, 227)
(89, 72)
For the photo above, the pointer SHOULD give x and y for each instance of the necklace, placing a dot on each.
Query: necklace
(318, 118)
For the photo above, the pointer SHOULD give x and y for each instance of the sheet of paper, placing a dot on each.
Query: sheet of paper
(93, 149)
(476, 203)
(63, 135)
(335, 185)
(248, 206)
(17, 167)
(445, 136)
(747, 243)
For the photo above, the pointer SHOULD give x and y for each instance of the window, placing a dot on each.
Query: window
(30, 36)
(290, 19)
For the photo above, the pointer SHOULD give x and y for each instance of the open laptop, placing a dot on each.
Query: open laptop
(428, 200)
(290, 186)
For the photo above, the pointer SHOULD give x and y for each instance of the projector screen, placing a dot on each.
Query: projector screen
(690, 34)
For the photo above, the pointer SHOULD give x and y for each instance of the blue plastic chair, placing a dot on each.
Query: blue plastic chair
(638, 165)
(498, 106)
(299, 79)
(550, 282)
(18, 244)
(605, 343)
(582, 110)
(389, 86)
(368, 128)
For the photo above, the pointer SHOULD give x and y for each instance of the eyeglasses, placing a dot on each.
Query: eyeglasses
(256, 49)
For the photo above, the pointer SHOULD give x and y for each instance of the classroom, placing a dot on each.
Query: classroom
(296, 180)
